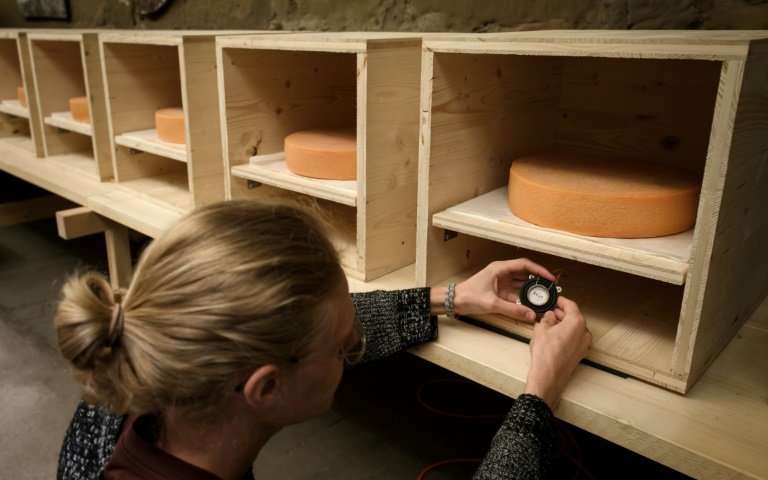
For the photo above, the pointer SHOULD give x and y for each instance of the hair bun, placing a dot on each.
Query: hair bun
(88, 321)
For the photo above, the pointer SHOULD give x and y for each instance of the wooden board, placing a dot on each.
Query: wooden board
(730, 263)
(273, 171)
(200, 92)
(64, 120)
(488, 216)
(13, 107)
(148, 141)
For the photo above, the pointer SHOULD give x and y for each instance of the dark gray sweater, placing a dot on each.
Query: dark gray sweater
(523, 448)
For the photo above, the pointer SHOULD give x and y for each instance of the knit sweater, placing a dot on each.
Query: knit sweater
(523, 447)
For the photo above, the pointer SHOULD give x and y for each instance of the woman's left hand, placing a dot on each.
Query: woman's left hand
(494, 289)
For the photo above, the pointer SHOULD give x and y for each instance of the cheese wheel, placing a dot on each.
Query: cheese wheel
(326, 154)
(22, 95)
(78, 107)
(602, 197)
(169, 123)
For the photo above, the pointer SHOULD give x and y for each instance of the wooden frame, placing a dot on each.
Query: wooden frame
(66, 65)
(143, 72)
(274, 85)
(681, 98)
(17, 123)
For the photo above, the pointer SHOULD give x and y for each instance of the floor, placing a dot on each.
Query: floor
(387, 422)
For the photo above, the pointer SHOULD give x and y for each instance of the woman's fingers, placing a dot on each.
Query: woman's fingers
(507, 267)
(513, 310)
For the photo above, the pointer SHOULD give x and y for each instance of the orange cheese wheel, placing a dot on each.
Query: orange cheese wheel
(78, 107)
(327, 154)
(169, 123)
(22, 96)
(600, 197)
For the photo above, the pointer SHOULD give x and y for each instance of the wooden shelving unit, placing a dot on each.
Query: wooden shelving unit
(66, 65)
(274, 85)
(680, 99)
(144, 72)
(17, 121)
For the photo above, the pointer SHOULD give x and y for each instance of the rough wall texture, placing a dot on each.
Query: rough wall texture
(409, 15)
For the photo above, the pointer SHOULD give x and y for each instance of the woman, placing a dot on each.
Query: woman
(238, 322)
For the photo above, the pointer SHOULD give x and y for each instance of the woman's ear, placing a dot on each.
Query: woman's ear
(262, 388)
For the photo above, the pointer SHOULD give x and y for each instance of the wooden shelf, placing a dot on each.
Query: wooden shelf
(272, 170)
(13, 107)
(488, 216)
(148, 141)
(65, 121)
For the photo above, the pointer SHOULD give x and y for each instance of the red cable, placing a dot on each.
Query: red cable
(426, 470)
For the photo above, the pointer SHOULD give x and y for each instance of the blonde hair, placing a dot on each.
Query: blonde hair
(230, 287)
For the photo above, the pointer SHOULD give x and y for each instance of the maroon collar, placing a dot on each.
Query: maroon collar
(137, 458)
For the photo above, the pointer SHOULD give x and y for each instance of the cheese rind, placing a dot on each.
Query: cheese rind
(169, 123)
(78, 107)
(325, 154)
(22, 96)
(616, 198)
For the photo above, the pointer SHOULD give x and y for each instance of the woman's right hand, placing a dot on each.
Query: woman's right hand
(560, 341)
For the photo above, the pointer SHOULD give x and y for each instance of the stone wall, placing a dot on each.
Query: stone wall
(409, 15)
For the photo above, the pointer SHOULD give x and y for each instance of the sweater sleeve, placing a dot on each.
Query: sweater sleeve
(524, 446)
(88, 443)
(393, 321)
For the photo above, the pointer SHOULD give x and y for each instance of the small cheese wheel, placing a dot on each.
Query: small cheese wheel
(22, 96)
(78, 107)
(169, 123)
(602, 197)
(326, 154)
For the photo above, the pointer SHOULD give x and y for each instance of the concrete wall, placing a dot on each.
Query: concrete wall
(410, 15)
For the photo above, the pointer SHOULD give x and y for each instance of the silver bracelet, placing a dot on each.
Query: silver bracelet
(449, 301)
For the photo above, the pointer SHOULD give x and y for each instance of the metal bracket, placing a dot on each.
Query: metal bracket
(449, 235)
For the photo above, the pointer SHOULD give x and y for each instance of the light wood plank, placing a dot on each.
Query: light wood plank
(79, 222)
(65, 121)
(272, 170)
(23, 211)
(148, 141)
(488, 216)
(119, 256)
(13, 107)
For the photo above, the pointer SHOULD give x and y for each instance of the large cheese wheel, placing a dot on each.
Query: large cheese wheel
(327, 154)
(169, 123)
(602, 197)
(22, 96)
(78, 107)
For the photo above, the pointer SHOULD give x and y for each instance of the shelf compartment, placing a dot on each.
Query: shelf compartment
(148, 141)
(272, 170)
(145, 73)
(65, 121)
(59, 69)
(631, 333)
(16, 121)
(275, 85)
(341, 220)
(14, 107)
(642, 99)
(488, 216)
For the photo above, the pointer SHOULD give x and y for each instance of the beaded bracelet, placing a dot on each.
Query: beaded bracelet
(449, 301)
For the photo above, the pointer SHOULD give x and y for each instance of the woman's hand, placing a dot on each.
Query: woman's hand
(560, 341)
(494, 289)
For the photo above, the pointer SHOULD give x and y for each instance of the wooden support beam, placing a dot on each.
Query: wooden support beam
(119, 256)
(82, 221)
(79, 222)
(22, 211)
